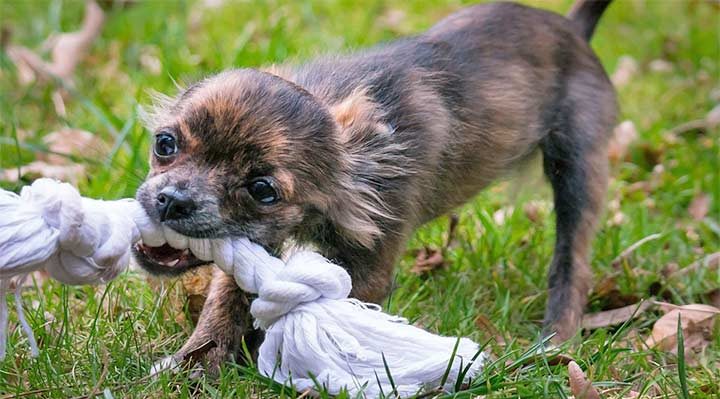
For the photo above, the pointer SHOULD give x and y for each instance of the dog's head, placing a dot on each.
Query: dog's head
(247, 153)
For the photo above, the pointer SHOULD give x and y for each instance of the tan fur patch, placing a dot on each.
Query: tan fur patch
(357, 109)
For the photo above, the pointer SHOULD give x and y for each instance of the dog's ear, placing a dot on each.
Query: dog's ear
(370, 157)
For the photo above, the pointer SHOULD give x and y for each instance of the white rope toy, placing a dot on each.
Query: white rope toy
(313, 332)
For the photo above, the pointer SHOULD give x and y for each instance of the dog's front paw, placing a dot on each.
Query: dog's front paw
(168, 364)
(207, 353)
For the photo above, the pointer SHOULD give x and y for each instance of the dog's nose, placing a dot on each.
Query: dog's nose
(173, 203)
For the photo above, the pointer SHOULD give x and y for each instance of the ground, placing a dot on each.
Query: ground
(665, 190)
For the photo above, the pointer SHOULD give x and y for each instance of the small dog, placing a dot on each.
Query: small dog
(351, 153)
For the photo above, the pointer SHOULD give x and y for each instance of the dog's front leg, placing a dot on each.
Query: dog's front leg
(224, 323)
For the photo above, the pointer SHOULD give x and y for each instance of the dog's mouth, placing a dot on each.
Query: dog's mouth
(166, 259)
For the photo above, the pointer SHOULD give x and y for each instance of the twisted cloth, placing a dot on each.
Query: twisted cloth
(314, 334)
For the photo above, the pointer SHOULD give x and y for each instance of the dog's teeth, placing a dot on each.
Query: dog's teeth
(173, 263)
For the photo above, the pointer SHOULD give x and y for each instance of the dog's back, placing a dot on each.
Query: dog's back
(474, 95)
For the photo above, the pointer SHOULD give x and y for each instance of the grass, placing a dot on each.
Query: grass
(104, 340)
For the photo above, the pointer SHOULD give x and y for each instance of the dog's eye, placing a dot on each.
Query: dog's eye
(165, 145)
(262, 191)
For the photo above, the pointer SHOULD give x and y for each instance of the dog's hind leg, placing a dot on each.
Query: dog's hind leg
(575, 162)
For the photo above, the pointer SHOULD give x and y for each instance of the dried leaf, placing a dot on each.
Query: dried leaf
(19, 56)
(713, 298)
(536, 210)
(660, 65)
(624, 134)
(72, 142)
(695, 320)
(454, 220)
(580, 385)
(150, 61)
(213, 4)
(713, 117)
(196, 284)
(707, 263)
(70, 48)
(613, 317)
(53, 165)
(37, 169)
(502, 214)
(427, 260)
(36, 278)
(699, 206)
(67, 49)
(393, 19)
(605, 286)
(627, 68)
(197, 281)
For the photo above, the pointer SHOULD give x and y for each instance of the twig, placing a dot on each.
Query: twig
(103, 374)
(673, 307)
(629, 250)
(700, 125)
(711, 261)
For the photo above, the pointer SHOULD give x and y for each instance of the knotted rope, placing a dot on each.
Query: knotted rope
(313, 332)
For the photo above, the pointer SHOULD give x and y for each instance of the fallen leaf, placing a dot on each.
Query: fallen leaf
(37, 169)
(535, 210)
(213, 4)
(19, 57)
(669, 269)
(617, 316)
(580, 386)
(55, 163)
(502, 214)
(393, 19)
(696, 321)
(713, 298)
(454, 220)
(624, 134)
(698, 126)
(70, 141)
(713, 117)
(606, 286)
(699, 206)
(627, 68)
(67, 49)
(36, 278)
(708, 263)
(70, 48)
(660, 65)
(427, 260)
(196, 284)
(149, 60)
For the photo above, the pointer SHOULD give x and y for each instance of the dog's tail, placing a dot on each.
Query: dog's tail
(585, 14)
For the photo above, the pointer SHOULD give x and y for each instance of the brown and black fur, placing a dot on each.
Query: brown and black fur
(366, 147)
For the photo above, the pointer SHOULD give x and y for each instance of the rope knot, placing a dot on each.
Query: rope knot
(306, 277)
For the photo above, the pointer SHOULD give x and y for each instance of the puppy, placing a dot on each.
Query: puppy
(351, 153)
